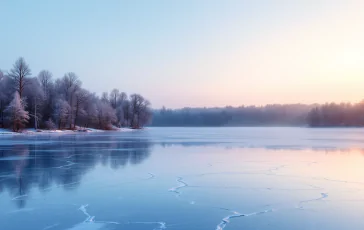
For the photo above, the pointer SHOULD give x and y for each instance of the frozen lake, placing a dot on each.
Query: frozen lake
(184, 179)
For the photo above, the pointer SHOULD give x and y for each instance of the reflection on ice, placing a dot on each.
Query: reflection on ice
(35, 165)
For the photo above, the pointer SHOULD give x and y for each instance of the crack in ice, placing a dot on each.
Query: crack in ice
(90, 219)
(236, 214)
(176, 189)
(323, 196)
(151, 176)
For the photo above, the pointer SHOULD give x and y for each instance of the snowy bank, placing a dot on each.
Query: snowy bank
(5, 131)
(63, 131)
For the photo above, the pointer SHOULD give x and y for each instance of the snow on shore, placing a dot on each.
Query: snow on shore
(5, 131)
(45, 131)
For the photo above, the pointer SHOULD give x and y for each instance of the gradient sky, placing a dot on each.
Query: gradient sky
(195, 52)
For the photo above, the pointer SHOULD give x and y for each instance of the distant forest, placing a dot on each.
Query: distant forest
(43, 101)
(315, 115)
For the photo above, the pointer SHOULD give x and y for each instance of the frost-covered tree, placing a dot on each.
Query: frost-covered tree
(114, 95)
(106, 116)
(49, 124)
(70, 85)
(45, 80)
(81, 97)
(17, 113)
(90, 108)
(62, 113)
(122, 98)
(127, 113)
(65, 102)
(4, 96)
(105, 97)
(19, 74)
(35, 99)
(140, 111)
(145, 114)
(119, 116)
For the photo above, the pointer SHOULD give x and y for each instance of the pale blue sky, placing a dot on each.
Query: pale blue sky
(194, 52)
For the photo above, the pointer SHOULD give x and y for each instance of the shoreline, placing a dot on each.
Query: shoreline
(60, 131)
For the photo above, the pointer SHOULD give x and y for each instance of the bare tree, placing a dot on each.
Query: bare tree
(145, 114)
(45, 79)
(19, 74)
(6, 92)
(49, 124)
(90, 108)
(134, 107)
(119, 116)
(114, 95)
(127, 113)
(62, 113)
(139, 111)
(34, 96)
(70, 85)
(2, 98)
(105, 115)
(122, 98)
(105, 97)
(81, 97)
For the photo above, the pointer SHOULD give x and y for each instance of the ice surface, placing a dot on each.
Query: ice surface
(192, 178)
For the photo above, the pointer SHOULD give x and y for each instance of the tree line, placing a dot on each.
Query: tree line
(315, 115)
(269, 115)
(62, 103)
(337, 115)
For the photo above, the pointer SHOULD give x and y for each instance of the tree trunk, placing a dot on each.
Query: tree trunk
(2, 114)
(20, 88)
(71, 120)
(76, 115)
